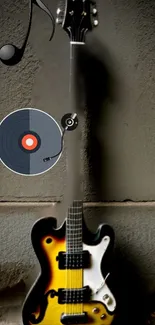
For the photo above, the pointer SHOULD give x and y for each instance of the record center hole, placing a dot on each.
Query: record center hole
(29, 142)
(48, 240)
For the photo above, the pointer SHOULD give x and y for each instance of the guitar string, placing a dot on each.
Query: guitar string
(72, 239)
(66, 265)
(78, 243)
(81, 248)
(80, 270)
(74, 248)
(69, 235)
(74, 244)
(67, 221)
(77, 273)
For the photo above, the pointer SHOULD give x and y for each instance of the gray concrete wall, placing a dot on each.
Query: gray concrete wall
(119, 163)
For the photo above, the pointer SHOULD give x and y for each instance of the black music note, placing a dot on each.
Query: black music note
(11, 54)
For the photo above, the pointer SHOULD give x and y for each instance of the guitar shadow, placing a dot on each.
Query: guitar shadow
(129, 291)
(101, 86)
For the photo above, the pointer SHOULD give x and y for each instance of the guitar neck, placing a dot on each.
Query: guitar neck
(75, 48)
(76, 18)
(74, 138)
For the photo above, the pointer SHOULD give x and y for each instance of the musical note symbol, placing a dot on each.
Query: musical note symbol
(11, 54)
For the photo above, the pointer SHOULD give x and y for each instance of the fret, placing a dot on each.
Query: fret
(78, 229)
(73, 228)
(73, 243)
(73, 239)
(72, 250)
(75, 213)
(75, 208)
(71, 234)
(75, 216)
(75, 236)
(74, 225)
(75, 248)
(72, 222)
(76, 245)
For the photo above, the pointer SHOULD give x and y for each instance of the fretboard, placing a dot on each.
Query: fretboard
(74, 228)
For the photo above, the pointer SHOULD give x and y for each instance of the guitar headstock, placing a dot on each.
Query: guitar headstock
(77, 17)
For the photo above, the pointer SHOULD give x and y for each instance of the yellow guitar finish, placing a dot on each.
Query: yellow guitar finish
(67, 279)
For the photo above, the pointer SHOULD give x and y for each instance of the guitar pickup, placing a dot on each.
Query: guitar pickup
(74, 260)
(74, 296)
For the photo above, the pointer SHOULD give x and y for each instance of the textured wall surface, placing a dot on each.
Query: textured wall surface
(119, 73)
(121, 70)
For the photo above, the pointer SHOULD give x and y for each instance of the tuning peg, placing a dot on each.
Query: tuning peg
(58, 11)
(94, 11)
(59, 20)
(95, 22)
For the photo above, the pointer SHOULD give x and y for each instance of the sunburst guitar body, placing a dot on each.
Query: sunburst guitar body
(71, 288)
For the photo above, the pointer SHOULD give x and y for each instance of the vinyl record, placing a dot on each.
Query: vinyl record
(27, 136)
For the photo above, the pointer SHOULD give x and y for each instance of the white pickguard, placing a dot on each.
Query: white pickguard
(93, 276)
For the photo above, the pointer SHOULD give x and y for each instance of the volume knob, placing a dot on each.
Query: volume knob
(95, 310)
(103, 316)
(107, 298)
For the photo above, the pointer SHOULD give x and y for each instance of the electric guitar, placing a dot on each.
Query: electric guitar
(71, 287)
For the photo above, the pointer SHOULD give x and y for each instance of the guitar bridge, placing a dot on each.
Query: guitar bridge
(69, 319)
